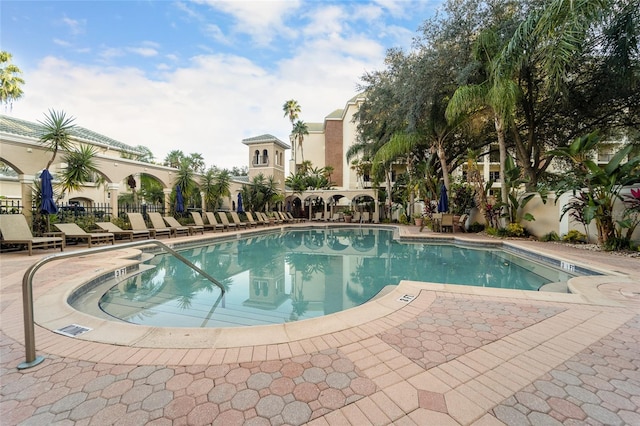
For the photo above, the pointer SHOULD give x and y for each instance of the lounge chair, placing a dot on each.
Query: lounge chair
(250, 220)
(211, 217)
(262, 219)
(159, 224)
(225, 221)
(237, 221)
(15, 230)
(197, 219)
(317, 216)
(73, 232)
(446, 222)
(336, 217)
(356, 217)
(123, 234)
(283, 217)
(365, 217)
(294, 219)
(191, 229)
(138, 224)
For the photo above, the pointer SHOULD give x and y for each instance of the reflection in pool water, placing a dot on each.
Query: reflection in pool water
(299, 274)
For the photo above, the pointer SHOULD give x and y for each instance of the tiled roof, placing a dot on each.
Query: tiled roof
(336, 114)
(265, 138)
(315, 127)
(240, 179)
(20, 127)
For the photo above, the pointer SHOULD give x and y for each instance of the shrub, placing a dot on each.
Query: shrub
(403, 219)
(574, 236)
(617, 243)
(551, 236)
(122, 222)
(516, 230)
(476, 227)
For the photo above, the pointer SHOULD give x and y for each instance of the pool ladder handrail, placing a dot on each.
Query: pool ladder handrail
(27, 289)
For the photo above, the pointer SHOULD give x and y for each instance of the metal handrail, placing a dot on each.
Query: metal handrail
(27, 290)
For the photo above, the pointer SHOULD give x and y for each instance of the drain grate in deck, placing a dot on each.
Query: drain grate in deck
(72, 330)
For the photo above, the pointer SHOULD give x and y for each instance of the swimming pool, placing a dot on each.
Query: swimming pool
(286, 276)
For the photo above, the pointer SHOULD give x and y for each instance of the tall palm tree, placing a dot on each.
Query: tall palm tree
(300, 130)
(56, 133)
(292, 110)
(10, 80)
(498, 93)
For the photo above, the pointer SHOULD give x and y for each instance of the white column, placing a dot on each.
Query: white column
(113, 189)
(167, 200)
(26, 188)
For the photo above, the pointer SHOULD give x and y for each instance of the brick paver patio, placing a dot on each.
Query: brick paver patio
(451, 355)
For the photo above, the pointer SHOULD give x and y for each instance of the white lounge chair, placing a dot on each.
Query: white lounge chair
(15, 230)
(138, 224)
(73, 232)
(197, 219)
(120, 233)
(225, 221)
(174, 224)
(237, 221)
(211, 217)
(158, 223)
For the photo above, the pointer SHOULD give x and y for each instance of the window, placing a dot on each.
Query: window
(494, 176)
(256, 157)
(265, 157)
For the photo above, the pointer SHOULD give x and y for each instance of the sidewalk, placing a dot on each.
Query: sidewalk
(443, 355)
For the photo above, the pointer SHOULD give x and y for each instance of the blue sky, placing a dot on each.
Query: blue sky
(199, 75)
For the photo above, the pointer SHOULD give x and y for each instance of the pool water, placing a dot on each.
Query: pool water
(299, 274)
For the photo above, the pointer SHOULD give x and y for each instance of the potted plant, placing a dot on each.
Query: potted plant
(417, 219)
(348, 215)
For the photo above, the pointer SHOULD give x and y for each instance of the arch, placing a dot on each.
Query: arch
(265, 156)
(256, 157)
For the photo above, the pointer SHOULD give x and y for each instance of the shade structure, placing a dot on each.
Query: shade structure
(443, 202)
(46, 188)
(239, 205)
(179, 200)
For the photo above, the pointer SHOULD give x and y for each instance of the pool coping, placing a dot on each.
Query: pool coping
(52, 311)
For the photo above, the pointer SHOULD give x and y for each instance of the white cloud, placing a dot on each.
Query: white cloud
(261, 19)
(213, 101)
(75, 26)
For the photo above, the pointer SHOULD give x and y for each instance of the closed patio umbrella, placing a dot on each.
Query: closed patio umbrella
(240, 210)
(443, 202)
(179, 200)
(47, 206)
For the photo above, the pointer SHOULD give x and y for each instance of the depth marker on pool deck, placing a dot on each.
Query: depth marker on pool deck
(406, 298)
(72, 330)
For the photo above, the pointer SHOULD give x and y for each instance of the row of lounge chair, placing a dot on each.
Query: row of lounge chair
(15, 229)
(339, 217)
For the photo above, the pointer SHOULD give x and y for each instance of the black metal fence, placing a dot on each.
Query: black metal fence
(10, 206)
(67, 212)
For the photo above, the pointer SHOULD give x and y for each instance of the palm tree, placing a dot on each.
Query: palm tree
(498, 93)
(81, 168)
(56, 133)
(292, 110)
(185, 178)
(197, 162)
(222, 186)
(174, 158)
(10, 81)
(300, 130)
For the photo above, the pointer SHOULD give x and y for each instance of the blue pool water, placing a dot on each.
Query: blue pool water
(298, 274)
